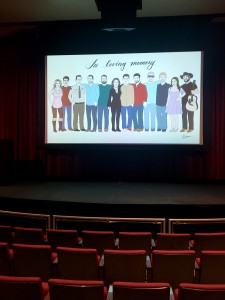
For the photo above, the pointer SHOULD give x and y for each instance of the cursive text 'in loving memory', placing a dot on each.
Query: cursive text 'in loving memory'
(94, 64)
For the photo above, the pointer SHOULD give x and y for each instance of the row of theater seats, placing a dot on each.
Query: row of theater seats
(100, 260)
(172, 266)
(32, 288)
(106, 239)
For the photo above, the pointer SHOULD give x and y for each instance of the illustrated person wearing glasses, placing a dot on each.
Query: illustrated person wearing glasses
(77, 97)
(191, 91)
(56, 104)
(150, 105)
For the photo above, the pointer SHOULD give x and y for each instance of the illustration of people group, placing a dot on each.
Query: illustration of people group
(134, 106)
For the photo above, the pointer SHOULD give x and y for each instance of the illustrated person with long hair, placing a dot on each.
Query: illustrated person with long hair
(114, 102)
(56, 104)
(173, 105)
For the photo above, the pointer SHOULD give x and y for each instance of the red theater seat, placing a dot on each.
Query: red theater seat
(22, 288)
(125, 265)
(189, 291)
(173, 266)
(6, 234)
(6, 259)
(76, 289)
(142, 291)
(212, 267)
(79, 264)
(135, 241)
(208, 241)
(99, 240)
(62, 238)
(175, 241)
(30, 236)
(34, 260)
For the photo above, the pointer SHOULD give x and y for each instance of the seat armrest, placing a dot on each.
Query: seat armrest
(116, 243)
(171, 294)
(101, 263)
(110, 293)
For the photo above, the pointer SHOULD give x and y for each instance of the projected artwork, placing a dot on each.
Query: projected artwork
(135, 98)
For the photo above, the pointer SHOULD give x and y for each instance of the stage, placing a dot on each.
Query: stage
(119, 199)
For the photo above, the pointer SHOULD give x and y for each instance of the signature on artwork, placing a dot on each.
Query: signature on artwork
(185, 136)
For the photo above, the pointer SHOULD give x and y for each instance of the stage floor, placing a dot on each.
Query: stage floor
(117, 192)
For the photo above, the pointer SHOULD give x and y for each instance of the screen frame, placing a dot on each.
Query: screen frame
(206, 114)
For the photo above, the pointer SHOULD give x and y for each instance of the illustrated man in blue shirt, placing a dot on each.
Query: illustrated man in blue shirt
(92, 95)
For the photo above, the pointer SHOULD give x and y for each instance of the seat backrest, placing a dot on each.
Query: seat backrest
(14, 288)
(6, 234)
(33, 260)
(30, 236)
(76, 263)
(76, 289)
(5, 260)
(135, 241)
(99, 240)
(142, 291)
(193, 291)
(124, 265)
(62, 238)
(212, 267)
(209, 241)
(173, 266)
(176, 241)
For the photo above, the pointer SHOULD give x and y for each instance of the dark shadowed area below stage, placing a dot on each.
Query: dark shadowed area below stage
(136, 199)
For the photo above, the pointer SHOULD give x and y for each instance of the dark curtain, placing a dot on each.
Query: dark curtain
(216, 159)
(18, 107)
